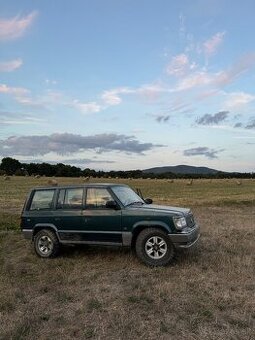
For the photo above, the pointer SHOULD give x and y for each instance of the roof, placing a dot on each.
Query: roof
(83, 185)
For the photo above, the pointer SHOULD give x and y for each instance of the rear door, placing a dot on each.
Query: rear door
(68, 214)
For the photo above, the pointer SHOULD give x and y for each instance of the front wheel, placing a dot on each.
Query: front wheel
(154, 247)
(46, 243)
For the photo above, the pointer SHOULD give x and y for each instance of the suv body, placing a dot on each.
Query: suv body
(106, 214)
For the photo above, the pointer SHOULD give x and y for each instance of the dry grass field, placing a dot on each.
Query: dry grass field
(106, 293)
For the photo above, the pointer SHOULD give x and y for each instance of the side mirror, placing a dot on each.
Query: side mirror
(148, 201)
(111, 205)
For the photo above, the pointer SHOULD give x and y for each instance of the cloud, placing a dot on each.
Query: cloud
(83, 161)
(15, 27)
(244, 64)
(202, 151)
(107, 98)
(30, 102)
(111, 97)
(11, 65)
(44, 101)
(251, 125)
(162, 118)
(67, 143)
(149, 92)
(211, 45)
(179, 65)
(238, 125)
(216, 80)
(193, 80)
(236, 100)
(16, 91)
(90, 107)
(50, 81)
(12, 118)
(210, 119)
(177, 106)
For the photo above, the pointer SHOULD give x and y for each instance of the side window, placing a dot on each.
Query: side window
(97, 198)
(70, 198)
(42, 199)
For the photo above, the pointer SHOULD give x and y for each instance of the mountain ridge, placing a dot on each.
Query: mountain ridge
(182, 169)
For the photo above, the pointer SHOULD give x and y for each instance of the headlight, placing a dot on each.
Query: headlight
(179, 222)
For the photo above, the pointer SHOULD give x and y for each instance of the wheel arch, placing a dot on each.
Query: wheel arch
(40, 226)
(138, 227)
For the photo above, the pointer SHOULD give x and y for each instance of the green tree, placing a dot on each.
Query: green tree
(10, 165)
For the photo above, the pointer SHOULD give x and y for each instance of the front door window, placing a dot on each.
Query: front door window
(97, 198)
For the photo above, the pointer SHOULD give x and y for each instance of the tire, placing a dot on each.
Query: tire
(46, 244)
(154, 248)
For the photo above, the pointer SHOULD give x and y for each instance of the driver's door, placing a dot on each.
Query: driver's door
(101, 224)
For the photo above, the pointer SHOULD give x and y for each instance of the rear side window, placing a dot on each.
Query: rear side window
(42, 199)
(70, 198)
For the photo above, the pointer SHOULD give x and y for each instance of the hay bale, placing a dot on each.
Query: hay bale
(52, 182)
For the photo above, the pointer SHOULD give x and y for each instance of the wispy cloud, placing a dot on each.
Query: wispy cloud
(50, 81)
(179, 65)
(178, 106)
(243, 65)
(211, 45)
(237, 100)
(90, 107)
(16, 91)
(196, 79)
(112, 97)
(11, 65)
(12, 118)
(67, 143)
(202, 151)
(209, 119)
(15, 27)
(215, 80)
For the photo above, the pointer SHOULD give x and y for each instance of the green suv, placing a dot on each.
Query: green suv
(106, 214)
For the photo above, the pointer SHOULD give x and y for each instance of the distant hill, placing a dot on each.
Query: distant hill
(182, 169)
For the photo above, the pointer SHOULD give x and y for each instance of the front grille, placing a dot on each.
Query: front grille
(190, 220)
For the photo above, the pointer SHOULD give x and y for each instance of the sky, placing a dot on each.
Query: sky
(128, 84)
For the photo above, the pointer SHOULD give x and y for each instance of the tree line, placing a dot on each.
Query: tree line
(11, 166)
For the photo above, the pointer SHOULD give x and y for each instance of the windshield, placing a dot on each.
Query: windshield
(127, 196)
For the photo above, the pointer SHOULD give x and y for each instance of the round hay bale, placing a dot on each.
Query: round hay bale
(52, 182)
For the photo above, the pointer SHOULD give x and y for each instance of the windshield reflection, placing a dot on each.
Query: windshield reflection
(127, 196)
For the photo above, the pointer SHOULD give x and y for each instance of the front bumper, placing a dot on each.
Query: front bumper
(186, 238)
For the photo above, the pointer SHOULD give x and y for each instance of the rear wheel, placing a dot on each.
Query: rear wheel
(154, 247)
(46, 243)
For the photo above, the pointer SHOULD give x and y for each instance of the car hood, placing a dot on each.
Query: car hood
(154, 208)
